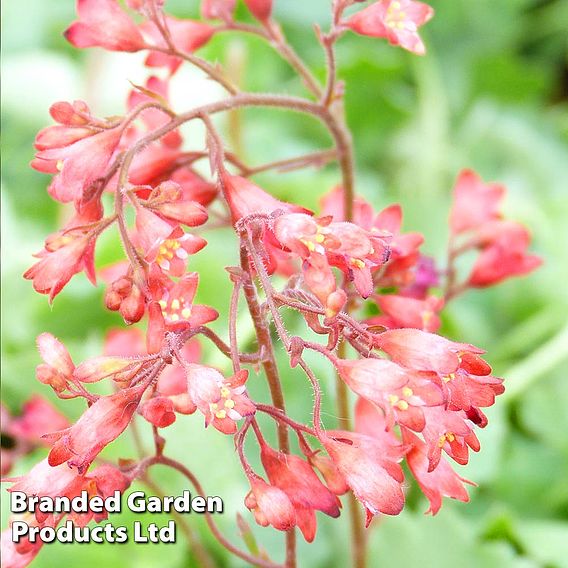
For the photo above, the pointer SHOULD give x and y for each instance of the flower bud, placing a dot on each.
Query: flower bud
(98, 368)
(159, 411)
(260, 9)
(133, 306)
(50, 376)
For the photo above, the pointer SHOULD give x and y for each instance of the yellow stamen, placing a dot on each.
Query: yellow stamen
(407, 391)
(357, 263)
(221, 414)
(402, 405)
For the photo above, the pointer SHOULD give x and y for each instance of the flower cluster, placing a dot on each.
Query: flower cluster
(357, 279)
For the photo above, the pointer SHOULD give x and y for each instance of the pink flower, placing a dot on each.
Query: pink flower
(246, 198)
(103, 23)
(426, 351)
(38, 418)
(11, 557)
(475, 203)
(449, 431)
(45, 480)
(176, 302)
(58, 367)
(306, 492)
(329, 471)
(322, 242)
(396, 20)
(194, 187)
(401, 270)
(166, 246)
(402, 311)
(79, 164)
(126, 297)
(159, 411)
(467, 390)
(218, 9)
(187, 36)
(503, 254)
(99, 425)
(121, 369)
(260, 9)
(167, 200)
(60, 261)
(442, 481)
(270, 505)
(370, 466)
(222, 401)
(372, 378)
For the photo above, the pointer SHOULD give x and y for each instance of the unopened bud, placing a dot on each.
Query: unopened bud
(159, 411)
(132, 308)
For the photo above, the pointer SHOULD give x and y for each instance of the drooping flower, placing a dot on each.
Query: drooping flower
(372, 378)
(424, 351)
(270, 505)
(370, 466)
(475, 202)
(503, 254)
(402, 311)
(60, 261)
(297, 479)
(120, 369)
(396, 20)
(246, 198)
(57, 368)
(99, 425)
(45, 480)
(443, 481)
(103, 23)
(79, 164)
(401, 269)
(450, 431)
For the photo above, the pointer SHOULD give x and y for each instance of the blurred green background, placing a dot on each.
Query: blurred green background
(492, 95)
